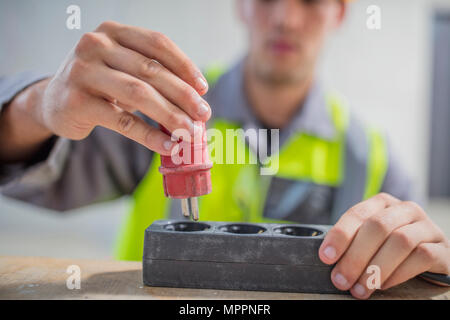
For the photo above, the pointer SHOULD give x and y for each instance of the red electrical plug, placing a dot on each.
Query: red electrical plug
(187, 176)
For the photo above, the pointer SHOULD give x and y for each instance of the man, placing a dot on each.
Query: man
(52, 156)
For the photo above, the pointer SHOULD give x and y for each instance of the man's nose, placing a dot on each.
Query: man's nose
(289, 14)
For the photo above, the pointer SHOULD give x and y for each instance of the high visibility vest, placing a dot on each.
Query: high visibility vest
(239, 190)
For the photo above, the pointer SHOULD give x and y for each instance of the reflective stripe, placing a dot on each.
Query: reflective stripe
(377, 163)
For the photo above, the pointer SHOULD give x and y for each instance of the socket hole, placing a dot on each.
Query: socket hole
(242, 228)
(187, 226)
(298, 231)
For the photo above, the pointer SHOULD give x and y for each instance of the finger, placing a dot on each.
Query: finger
(92, 45)
(422, 259)
(133, 127)
(138, 95)
(169, 85)
(155, 45)
(395, 250)
(369, 238)
(340, 236)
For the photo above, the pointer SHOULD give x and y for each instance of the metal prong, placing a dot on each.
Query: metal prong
(185, 207)
(194, 208)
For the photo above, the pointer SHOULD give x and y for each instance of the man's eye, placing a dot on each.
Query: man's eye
(307, 2)
(312, 2)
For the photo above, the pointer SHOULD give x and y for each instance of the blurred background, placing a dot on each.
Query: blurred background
(397, 78)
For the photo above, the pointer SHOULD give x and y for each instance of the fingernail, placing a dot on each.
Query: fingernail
(203, 108)
(330, 252)
(201, 84)
(340, 279)
(168, 144)
(359, 290)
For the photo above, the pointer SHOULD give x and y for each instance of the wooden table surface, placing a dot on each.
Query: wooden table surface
(45, 278)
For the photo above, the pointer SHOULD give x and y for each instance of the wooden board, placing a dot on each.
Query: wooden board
(45, 278)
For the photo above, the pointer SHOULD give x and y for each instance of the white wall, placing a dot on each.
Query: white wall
(385, 74)
(36, 36)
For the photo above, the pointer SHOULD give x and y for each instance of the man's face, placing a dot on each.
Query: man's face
(286, 35)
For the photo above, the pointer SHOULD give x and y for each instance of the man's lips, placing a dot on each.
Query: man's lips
(282, 47)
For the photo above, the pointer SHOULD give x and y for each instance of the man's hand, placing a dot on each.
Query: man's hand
(398, 237)
(111, 73)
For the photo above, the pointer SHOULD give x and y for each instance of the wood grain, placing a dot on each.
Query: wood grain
(45, 278)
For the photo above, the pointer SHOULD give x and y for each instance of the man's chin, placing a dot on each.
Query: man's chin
(280, 73)
(283, 65)
(278, 77)
(275, 70)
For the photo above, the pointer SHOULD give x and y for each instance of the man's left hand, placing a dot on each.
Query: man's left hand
(396, 236)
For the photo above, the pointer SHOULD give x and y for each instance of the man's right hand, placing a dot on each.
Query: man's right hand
(113, 72)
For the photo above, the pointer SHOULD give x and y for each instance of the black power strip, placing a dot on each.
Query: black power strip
(236, 256)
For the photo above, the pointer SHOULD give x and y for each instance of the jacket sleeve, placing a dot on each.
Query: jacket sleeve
(67, 174)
